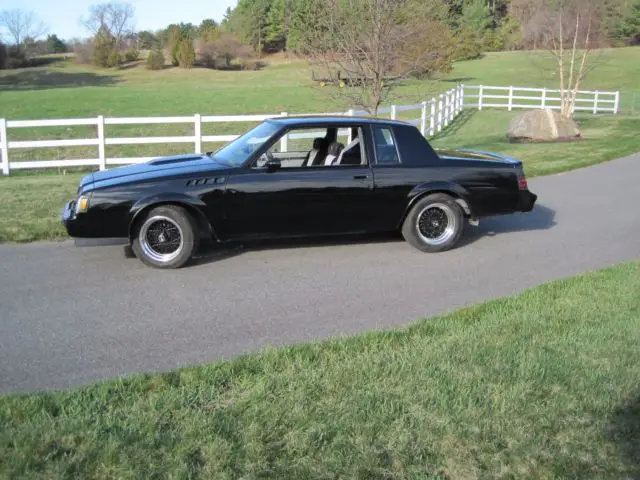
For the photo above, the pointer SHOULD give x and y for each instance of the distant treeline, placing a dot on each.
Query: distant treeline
(275, 25)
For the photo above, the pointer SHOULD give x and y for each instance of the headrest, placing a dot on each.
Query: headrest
(319, 143)
(335, 148)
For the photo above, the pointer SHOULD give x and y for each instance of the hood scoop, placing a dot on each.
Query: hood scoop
(176, 159)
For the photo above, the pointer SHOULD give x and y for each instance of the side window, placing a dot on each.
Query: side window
(386, 150)
(319, 147)
(300, 147)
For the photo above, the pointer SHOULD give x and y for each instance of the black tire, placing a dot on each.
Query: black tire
(157, 233)
(427, 217)
(128, 252)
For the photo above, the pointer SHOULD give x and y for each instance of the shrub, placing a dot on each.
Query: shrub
(220, 51)
(16, 58)
(155, 60)
(186, 55)
(104, 52)
(113, 60)
(131, 55)
(250, 64)
(469, 47)
(84, 53)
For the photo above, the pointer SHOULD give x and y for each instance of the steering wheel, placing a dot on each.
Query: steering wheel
(264, 159)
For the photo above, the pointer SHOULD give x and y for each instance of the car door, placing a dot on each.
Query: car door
(296, 200)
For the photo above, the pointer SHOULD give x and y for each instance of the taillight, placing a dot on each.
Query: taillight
(522, 182)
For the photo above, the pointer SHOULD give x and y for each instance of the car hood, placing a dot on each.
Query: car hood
(467, 154)
(158, 167)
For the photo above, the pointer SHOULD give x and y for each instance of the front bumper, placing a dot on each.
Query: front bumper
(69, 219)
(526, 201)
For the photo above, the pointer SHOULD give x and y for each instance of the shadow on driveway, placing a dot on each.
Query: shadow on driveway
(541, 218)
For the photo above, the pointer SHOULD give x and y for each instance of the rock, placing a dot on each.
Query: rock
(542, 126)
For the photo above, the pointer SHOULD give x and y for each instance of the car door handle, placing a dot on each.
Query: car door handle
(360, 177)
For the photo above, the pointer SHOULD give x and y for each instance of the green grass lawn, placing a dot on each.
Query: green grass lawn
(544, 385)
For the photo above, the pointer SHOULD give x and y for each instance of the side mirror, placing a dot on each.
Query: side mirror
(273, 164)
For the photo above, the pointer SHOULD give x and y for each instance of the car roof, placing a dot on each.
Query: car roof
(334, 120)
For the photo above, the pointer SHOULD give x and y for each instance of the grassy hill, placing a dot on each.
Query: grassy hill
(63, 89)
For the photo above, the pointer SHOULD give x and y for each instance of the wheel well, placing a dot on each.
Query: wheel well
(204, 227)
(466, 209)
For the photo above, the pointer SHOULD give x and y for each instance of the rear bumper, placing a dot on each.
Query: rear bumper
(526, 201)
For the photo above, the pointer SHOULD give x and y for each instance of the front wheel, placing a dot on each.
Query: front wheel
(434, 224)
(166, 237)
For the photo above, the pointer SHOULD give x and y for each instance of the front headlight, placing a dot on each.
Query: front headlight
(82, 204)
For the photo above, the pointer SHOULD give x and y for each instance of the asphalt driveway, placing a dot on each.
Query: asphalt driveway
(70, 315)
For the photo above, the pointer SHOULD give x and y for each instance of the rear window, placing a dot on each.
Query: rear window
(386, 149)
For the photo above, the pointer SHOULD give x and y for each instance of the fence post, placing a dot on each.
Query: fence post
(197, 132)
(455, 103)
(544, 98)
(423, 119)
(440, 112)
(480, 93)
(432, 120)
(617, 105)
(102, 157)
(461, 96)
(446, 109)
(393, 112)
(510, 98)
(595, 103)
(4, 146)
(284, 141)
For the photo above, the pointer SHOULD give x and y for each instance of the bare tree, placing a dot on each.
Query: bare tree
(568, 30)
(367, 46)
(21, 25)
(114, 19)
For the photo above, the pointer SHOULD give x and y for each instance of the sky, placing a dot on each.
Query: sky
(63, 17)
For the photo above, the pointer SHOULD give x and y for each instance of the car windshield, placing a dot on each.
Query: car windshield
(238, 151)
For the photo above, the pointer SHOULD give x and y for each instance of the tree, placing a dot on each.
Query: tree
(55, 45)
(186, 54)
(113, 19)
(148, 40)
(20, 25)
(371, 44)
(569, 31)
(622, 21)
(476, 17)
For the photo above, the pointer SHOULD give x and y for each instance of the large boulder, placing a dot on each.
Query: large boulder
(542, 126)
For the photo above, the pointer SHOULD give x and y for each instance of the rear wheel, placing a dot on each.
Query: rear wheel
(434, 224)
(166, 237)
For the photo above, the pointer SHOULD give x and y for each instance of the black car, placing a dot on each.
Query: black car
(295, 177)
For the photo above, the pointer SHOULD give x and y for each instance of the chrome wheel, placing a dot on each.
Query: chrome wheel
(436, 224)
(161, 238)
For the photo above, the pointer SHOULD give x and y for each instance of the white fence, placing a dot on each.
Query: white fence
(519, 97)
(434, 115)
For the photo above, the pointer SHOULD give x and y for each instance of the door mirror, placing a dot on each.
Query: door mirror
(273, 164)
